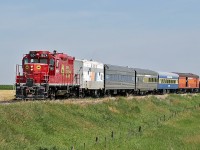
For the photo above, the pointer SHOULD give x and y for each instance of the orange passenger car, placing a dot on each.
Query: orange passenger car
(188, 82)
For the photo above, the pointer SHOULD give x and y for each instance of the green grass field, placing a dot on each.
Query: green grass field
(170, 123)
(6, 87)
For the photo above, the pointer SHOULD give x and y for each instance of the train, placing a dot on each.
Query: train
(50, 75)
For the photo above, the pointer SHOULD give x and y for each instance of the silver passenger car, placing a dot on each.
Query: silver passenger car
(119, 80)
(146, 80)
(89, 75)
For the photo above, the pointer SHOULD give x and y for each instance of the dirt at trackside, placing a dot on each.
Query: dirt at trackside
(101, 100)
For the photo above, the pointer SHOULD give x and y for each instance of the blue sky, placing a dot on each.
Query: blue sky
(161, 35)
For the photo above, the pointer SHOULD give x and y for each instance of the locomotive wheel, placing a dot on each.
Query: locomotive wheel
(127, 94)
(98, 94)
(109, 94)
(53, 96)
(82, 95)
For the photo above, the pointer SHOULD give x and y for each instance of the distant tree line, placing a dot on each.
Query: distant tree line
(6, 87)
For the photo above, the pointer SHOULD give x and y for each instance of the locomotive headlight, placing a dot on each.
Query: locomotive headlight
(38, 67)
(26, 67)
(31, 66)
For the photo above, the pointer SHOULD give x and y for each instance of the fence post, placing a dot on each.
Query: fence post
(105, 142)
(84, 146)
(140, 129)
(112, 135)
(164, 117)
(72, 148)
(97, 139)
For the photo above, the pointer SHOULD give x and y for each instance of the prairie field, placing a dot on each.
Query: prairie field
(6, 95)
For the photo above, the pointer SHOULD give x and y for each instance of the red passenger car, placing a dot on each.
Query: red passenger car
(44, 74)
(188, 82)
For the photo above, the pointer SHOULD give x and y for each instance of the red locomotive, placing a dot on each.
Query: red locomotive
(45, 75)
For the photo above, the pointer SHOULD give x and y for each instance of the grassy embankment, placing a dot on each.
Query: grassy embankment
(57, 125)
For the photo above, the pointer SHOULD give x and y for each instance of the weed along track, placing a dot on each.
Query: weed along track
(83, 101)
(8, 102)
(65, 101)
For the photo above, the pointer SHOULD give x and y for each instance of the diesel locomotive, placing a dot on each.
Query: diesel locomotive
(44, 75)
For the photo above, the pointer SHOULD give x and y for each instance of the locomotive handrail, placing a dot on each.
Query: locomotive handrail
(17, 70)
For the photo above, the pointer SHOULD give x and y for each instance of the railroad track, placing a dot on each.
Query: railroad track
(8, 102)
(84, 101)
(64, 101)
(81, 101)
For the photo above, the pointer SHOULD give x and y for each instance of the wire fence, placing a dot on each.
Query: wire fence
(117, 137)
